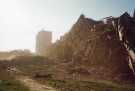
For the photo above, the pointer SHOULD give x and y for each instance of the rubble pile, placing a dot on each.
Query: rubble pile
(98, 49)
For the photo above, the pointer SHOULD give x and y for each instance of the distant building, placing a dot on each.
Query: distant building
(43, 40)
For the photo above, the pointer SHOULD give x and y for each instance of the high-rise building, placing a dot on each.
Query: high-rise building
(43, 40)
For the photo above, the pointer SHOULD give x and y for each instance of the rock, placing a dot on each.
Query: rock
(42, 75)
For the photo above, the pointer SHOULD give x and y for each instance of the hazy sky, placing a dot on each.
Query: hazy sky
(20, 20)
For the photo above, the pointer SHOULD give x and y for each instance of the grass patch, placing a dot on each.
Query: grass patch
(71, 85)
(12, 85)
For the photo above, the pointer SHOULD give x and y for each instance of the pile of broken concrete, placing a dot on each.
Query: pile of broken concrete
(93, 49)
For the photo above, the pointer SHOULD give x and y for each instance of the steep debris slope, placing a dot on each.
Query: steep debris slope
(93, 50)
(125, 27)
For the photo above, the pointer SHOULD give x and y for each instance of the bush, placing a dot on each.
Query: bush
(12, 85)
